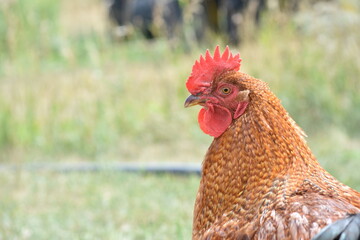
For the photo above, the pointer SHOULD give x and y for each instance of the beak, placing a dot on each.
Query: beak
(193, 100)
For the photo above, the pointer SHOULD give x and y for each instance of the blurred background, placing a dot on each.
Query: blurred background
(103, 82)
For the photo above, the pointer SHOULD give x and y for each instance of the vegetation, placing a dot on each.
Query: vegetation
(71, 92)
(95, 206)
(69, 89)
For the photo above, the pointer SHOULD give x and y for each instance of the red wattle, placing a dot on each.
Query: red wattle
(214, 120)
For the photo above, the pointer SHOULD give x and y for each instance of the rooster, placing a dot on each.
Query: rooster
(259, 179)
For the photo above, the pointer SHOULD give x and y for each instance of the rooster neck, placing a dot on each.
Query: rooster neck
(262, 144)
(243, 165)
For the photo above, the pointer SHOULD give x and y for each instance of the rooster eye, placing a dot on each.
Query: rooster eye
(226, 90)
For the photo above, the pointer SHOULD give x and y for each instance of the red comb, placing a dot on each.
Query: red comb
(206, 69)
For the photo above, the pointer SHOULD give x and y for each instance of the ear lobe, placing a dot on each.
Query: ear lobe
(240, 109)
(243, 98)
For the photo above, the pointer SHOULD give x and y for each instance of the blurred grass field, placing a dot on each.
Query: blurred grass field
(95, 206)
(70, 92)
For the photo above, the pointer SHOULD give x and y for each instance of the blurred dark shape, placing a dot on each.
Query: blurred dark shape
(235, 16)
(211, 8)
(154, 18)
(142, 16)
(195, 20)
(227, 17)
(205, 17)
(234, 13)
(150, 17)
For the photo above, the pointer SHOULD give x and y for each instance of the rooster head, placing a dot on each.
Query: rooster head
(212, 85)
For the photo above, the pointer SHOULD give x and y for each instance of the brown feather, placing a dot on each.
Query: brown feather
(260, 179)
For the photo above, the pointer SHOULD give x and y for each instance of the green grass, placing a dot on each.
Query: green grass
(103, 205)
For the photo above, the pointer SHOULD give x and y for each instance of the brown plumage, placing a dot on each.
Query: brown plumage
(259, 179)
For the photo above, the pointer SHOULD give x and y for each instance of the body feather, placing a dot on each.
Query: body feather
(260, 180)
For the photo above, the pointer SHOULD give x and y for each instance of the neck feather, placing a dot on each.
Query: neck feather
(263, 141)
(242, 164)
